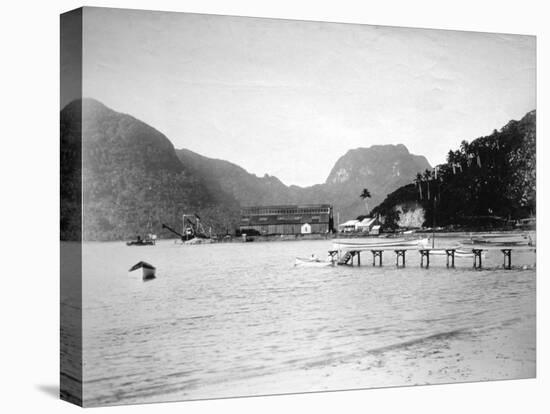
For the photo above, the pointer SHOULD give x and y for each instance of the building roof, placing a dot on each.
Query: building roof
(274, 219)
(367, 222)
(289, 206)
(349, 223)
(288, 210)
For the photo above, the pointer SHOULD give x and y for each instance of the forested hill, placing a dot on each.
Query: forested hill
(132, 179)
(483, 183)
(247, 189)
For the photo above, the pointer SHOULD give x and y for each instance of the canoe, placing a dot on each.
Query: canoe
(308, 262)
(198, 240)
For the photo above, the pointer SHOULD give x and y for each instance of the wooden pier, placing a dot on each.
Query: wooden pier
(349, 256)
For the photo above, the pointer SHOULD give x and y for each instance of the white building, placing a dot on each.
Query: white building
(306, 228)
(369, 225)
(349, 226)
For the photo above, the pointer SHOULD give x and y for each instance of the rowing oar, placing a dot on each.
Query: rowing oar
(148, 270)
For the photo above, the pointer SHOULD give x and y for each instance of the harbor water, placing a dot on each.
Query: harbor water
(234, 319)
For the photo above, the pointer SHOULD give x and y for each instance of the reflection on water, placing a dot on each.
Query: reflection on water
(224, 313)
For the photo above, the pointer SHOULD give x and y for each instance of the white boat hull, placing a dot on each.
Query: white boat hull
(461, 254)
(357, 244)
(302, 262)
(197, 240)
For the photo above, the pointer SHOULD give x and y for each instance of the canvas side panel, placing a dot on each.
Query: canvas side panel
(71, 207)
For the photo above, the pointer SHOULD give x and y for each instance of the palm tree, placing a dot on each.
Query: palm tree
(418, 182)
(365, 194)
(428, 177)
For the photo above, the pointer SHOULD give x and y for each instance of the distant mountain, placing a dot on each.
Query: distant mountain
(132, 180)
(485, 182)
(380, 168)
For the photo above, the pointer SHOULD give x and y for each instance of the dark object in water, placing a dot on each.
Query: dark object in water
(148, 270)
(147, 241)
(140, 242)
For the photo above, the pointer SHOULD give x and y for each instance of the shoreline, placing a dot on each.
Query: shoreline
(310, 237)
(504, 352)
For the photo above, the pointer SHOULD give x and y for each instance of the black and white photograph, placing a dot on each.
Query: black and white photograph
(259, 206)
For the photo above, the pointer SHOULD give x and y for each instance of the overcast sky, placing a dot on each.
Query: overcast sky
(288, 98)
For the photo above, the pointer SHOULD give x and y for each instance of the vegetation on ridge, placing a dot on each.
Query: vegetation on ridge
(120, 177)
(486, 182)
(132, 180)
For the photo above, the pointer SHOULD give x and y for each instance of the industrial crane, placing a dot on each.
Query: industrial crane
(192, 227)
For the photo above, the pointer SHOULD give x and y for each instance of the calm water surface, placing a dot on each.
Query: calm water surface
(238, 311)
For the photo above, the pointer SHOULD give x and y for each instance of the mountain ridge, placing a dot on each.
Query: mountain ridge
(250, 189)
(131, 178)
(134, 179)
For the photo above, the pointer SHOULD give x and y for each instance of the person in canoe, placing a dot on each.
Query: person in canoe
(314, 258)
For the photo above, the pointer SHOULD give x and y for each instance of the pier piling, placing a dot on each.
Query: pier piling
(450, 254)
(347, 258)
(400, 253)
(507, 258)
(425, 253)
(477, 258)
(375, 254)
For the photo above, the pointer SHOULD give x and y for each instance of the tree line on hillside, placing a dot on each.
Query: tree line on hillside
(489, 182)
(121, 178)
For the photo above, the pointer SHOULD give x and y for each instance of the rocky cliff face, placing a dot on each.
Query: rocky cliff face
(410, 216)
(379, 168)
(378, 161)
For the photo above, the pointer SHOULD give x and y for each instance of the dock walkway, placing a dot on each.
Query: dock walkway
(348, 258)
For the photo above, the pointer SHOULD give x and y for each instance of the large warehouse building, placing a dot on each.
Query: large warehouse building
(301, 219)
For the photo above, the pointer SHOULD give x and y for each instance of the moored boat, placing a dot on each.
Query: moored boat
(500, 240)
(312, 262)
(199, 240)
(459, 253)
(366, 244)
(141, 242)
